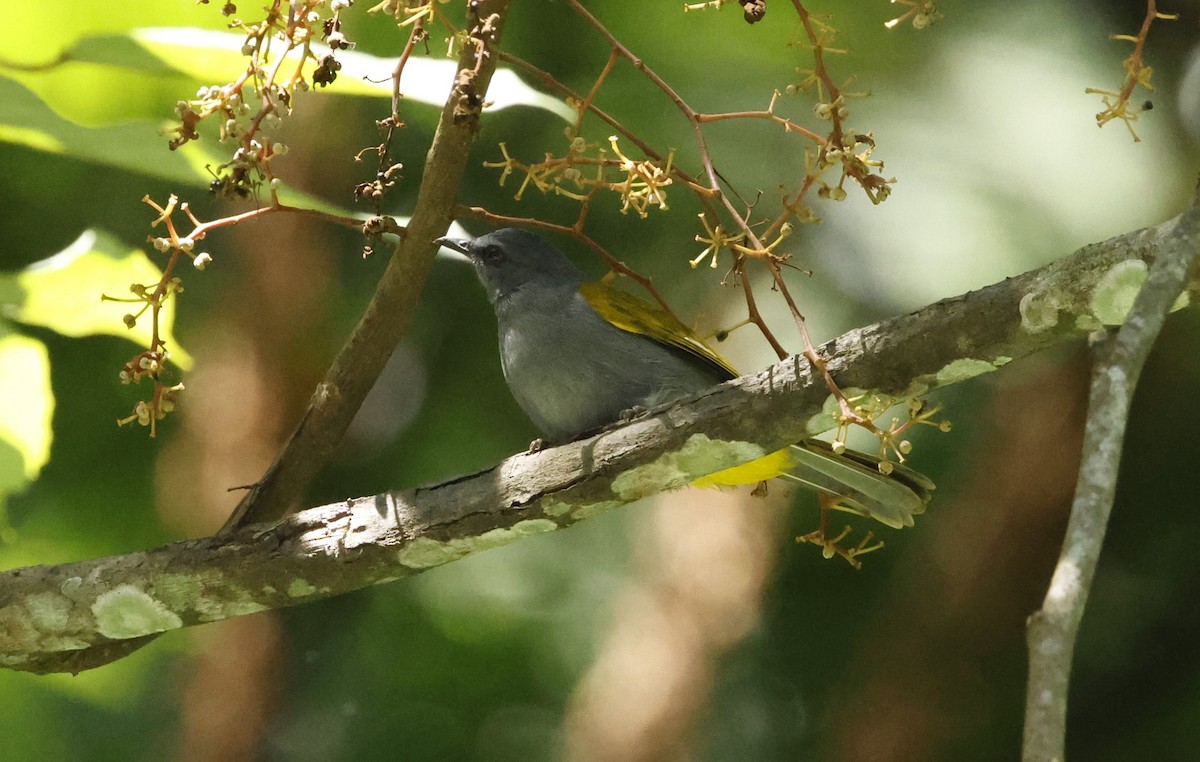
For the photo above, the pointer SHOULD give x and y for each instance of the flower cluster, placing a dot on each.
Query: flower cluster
(853, 156)
(862, 409)
(1137, 73)
(640, 184)
(253, 106)
(922, 13)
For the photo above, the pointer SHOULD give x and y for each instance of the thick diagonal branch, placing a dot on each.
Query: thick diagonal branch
(63, 618)
(387, 316)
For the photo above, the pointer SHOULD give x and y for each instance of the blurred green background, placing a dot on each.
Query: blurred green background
(691, 626)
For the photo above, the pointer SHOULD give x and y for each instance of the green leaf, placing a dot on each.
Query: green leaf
(62, 293)
(111, 100)
(139, 75)
(212, 56)
(137, 146)
(26, 408)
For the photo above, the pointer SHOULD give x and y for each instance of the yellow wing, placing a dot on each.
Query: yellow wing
(629, 313)
(852, 477)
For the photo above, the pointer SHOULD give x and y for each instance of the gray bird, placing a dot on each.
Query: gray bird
(578, 355)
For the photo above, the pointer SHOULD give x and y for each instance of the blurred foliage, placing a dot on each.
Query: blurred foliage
(983, 119)
(59, 293)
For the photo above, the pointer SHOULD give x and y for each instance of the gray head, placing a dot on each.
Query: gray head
(509, 260)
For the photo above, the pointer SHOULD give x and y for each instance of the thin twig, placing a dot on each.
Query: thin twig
(787, 124)
(549, 80)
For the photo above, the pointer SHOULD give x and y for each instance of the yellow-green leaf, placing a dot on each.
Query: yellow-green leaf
(63, 293)
(26, 406)
(212, 56)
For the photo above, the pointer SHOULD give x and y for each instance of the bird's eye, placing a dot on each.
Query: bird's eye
(492, 254)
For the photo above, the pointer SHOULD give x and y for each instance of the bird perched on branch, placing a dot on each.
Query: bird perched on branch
(579, 354)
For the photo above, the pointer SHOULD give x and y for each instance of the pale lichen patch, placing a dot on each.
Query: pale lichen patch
(526, 528)
(50, 615)
(300, 588)
(208, 593)
(178, 591)
(48, 612)
(699, 456)
(207, 609)
(1039, 311)
(63, 643)
(589, 510)
(211, 609)
(72, 587)
(424, 552)
(1113, 296)
(963, 369)
(242, 608)
(127, 612)
(555, 508)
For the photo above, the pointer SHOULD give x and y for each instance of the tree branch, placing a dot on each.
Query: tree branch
(1119, 357)
(77, 615)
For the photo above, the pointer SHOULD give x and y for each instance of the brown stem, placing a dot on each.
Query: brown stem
(754, 315)
(787, 124)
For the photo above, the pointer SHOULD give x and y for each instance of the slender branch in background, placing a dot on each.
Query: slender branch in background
(703, 193)
(1119, 357)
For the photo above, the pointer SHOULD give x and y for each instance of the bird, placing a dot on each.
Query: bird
(579, 354)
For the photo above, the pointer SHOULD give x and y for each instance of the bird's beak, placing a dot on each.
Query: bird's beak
(461, 245)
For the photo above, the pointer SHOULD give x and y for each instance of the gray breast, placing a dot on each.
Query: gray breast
(570, 371)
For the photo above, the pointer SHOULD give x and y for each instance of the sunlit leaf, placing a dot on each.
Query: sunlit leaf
(63, 292)
(137, 146)
(26, 407)
(111, 99)
(87, 93)
(212, 56)
(139, 75)
(61, 25)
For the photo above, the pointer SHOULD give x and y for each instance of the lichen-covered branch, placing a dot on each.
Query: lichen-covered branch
(1119, 357)
(74, 616)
